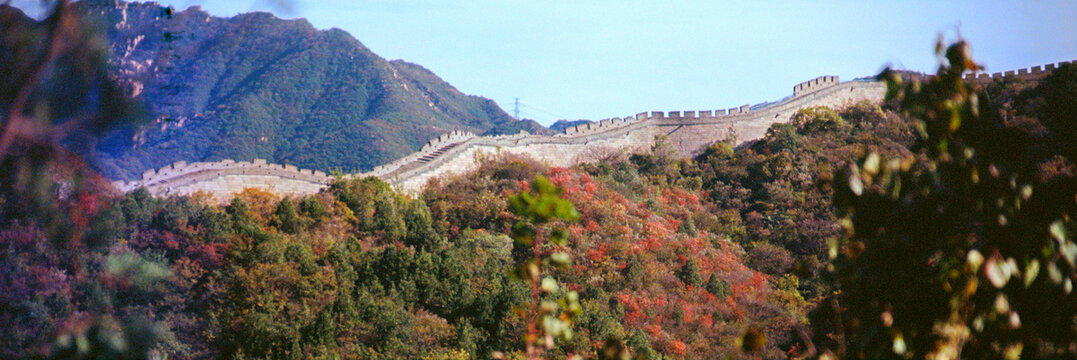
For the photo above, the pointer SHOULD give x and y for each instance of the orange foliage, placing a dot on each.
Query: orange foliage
(260, 202)
(678, 347)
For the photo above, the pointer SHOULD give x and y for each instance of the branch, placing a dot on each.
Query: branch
(810, 352)
(15, 119)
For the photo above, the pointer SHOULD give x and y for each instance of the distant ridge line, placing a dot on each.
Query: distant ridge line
(455, 152)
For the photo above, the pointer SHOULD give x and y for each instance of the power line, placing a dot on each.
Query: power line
(547, 112)
(530, 111)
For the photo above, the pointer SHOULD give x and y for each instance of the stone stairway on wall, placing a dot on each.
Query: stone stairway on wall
(441, 150)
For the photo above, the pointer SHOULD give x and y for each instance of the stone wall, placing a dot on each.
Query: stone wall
(1037, 72)
(428, 150)
(224, 178)
(690, 132)
(815, 84)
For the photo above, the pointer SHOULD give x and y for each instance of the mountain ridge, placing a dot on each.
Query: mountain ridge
(256, 86)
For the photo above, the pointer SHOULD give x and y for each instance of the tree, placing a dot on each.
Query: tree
(689, 273)
(718, 287)
(956, 250)
(285, 216)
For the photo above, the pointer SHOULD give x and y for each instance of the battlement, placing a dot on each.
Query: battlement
(429, 150)
(1037, 72)
(448, 138)
(180, 169)
(815, 84)
(457, 151)
(687, 115)
(600, 126)
(1033, 73)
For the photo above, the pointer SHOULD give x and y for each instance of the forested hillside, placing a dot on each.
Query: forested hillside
(723, 254)
(939, 224)
(255, 86)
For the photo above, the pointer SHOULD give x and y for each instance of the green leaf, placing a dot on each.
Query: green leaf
(140, 271)
(1031, 271)
(566, 211)
(549, 285)
(997, 273)
(855, 185)
(1069, 252)
(1054, 273)
(561, 259)
(871, 164)
(1065, 246)
(542, 185)
(1058, 231)
(523, 233)
(559, 237)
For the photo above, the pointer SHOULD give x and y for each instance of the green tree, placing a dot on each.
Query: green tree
(718, 287)
(285, 216)
(689, 273)
(633, 273)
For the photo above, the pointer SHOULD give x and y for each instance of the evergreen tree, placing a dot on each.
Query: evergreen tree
(689, 273)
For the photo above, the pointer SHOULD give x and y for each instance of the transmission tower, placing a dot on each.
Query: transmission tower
(516, 109)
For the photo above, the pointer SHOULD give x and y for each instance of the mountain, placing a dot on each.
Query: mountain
(561, 125)
(256, 86)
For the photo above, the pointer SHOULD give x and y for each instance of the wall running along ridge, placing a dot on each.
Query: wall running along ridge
(457, 152)
(224, 178)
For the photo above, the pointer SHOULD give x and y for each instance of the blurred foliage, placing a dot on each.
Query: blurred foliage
(71, 289)
(963, 248)
(553, 309)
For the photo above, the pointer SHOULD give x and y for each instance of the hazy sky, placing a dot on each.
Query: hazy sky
(598, 59)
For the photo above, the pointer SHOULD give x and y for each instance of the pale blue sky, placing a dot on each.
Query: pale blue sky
(598, 59)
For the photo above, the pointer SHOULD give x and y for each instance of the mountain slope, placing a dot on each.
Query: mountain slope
(255, 86)
(561, 125)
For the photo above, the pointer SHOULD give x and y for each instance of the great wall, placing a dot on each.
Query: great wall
(456, 152)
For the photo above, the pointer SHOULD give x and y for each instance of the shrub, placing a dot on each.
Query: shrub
(769, 258)
(816, 119)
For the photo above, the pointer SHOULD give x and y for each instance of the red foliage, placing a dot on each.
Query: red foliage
(678, 347)
(178, 246)
(614, 229)
(654, 330)
(598, 254)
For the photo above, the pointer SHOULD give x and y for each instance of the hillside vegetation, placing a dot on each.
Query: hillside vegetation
(937, 225)
(723, 254)
(255, 86)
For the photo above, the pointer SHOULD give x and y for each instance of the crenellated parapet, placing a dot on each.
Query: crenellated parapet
(445, 139)
(1034, 73)
(815, 84)
(222, 178)
(689, 131)
(179, 169)
(687, 115)
(431, 149)
(600, 126)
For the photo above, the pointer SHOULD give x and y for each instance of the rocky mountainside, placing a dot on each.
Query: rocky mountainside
(256, 86)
